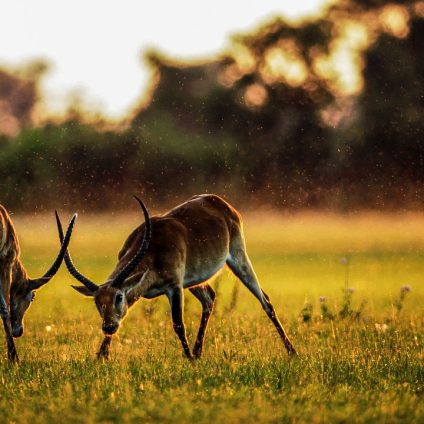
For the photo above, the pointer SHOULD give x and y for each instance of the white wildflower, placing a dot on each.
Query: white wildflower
(382, 328)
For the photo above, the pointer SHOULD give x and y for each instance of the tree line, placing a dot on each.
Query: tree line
(265, 123)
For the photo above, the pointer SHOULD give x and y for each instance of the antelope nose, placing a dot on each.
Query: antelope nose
(17, 332)
(109, 328)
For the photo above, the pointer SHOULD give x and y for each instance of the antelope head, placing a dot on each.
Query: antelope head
(23, 288)
(114, 297)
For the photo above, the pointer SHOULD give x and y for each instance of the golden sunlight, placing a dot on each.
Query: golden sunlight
(284, 63)
(342, 66)
(419, 8)
(395, 20)
(230, 75)
(255, 95)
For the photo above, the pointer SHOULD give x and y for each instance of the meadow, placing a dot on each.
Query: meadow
(349, 290)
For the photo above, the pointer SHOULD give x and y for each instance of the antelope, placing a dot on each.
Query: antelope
(17, 290)
(181, 249)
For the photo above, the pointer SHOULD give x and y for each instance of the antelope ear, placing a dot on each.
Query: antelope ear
(83, 290)
(37, 283)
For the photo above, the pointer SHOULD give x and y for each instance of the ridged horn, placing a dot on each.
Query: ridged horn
(70, 265)
(35, 284)
(131, 265)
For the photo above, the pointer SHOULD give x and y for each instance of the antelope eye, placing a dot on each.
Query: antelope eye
(119, 298)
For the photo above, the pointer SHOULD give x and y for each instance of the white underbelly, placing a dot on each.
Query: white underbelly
(192, 279)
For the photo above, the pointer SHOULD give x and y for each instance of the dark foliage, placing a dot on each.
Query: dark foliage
(221, 127)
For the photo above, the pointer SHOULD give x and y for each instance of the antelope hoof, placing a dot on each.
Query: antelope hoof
(197, 354)
(190, 357)
(13, 358)
(103, 355)
(292, 352)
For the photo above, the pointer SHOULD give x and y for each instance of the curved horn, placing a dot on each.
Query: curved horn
(69, 264)
(130, 266)
(35, 284)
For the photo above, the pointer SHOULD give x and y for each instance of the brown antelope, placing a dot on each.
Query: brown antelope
(181, 249)
(17, 290)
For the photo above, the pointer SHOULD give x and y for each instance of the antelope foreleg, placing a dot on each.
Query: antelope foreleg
(176, 300)
(103, 352)
(5, 316)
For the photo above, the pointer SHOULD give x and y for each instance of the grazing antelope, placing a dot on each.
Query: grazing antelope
(17, 290)
(181, 249)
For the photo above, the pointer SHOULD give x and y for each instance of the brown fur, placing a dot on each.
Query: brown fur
(17, 290)
(189, 245)
(13, 281)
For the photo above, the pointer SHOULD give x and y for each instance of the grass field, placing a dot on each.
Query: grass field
(361, 352)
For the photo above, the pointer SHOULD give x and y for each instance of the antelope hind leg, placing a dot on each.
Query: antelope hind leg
(241, 266)
(206, 295)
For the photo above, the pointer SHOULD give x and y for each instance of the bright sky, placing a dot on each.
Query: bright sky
(95, 46)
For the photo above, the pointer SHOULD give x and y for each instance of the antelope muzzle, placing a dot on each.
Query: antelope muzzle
(110, 329)
(17, 331)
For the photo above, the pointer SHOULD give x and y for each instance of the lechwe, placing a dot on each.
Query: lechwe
(181, 249)
(17, 290)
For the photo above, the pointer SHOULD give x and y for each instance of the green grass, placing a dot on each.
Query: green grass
(363, 369)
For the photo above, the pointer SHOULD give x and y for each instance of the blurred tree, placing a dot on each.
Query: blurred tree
(305, 134)
(384, 158)
(322, 113)
(270, 130)
(392, 106)
(18, 96)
